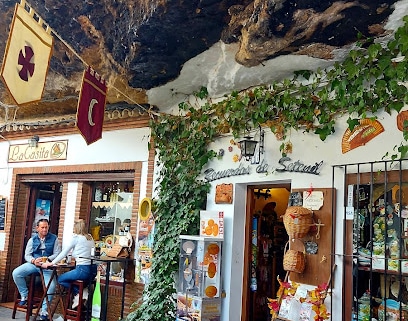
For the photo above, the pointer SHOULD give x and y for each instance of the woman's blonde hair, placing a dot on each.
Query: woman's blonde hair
(80, 229)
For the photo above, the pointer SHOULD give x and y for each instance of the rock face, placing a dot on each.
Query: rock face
(266, 29)
(143, 44)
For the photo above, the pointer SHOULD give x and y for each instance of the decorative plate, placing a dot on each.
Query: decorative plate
(395, 288)
(110, 240)
(188, 247)
(145, 208)
(311, 247)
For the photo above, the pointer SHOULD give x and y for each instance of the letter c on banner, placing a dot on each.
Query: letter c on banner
(90, 109)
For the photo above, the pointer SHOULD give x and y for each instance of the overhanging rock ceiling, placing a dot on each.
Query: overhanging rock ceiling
(154, 53)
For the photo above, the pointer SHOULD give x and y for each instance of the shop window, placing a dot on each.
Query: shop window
(111, 212)
(376, 253)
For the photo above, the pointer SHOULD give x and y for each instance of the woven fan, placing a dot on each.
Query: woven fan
(361, 134)
(401, 117)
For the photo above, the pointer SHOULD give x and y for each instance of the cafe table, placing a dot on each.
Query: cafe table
(105, 293)
(58, 294)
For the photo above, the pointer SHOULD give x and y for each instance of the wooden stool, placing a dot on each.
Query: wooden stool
(69, 313)
(33, 299)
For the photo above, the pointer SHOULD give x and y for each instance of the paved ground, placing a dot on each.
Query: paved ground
(5, 315)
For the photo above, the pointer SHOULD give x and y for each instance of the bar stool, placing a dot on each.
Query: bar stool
(33, 299)
(69, 313)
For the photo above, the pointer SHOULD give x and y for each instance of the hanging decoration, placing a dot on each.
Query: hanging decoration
(362, 133)
(91, 106)
(224, 193)
(27, 55)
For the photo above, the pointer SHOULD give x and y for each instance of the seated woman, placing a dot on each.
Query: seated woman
(81, 245)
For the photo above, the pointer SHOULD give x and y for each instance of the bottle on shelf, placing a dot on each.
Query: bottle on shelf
(106, 194)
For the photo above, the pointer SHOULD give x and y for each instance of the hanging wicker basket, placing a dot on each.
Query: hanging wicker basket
(294, 260)
(297, 221)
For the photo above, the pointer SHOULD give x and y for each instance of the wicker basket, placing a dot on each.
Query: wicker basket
(294, 260)
(297, 221)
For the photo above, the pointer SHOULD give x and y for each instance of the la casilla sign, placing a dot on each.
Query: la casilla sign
(55, 150)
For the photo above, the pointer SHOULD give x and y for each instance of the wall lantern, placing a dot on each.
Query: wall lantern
(33, 141)
(248, 145)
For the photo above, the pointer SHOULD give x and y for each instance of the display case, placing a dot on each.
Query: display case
(199, 281)
(380, 251)
(111, 214)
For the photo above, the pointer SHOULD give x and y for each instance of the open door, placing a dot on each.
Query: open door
(44, 202)
(265, 241)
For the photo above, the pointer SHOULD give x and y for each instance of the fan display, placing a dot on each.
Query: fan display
(361, 134)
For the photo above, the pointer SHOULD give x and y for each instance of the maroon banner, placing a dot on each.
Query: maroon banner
(91, 106)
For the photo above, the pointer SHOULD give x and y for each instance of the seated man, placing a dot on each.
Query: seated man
(42, 244)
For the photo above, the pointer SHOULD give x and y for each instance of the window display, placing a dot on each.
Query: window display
(380, 250)
(111, 215)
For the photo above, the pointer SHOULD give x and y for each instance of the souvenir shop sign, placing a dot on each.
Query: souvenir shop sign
(298, 166)
(211, 175)
(55, 150)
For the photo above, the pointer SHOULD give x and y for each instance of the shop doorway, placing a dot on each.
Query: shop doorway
(264, 248)
(44, 202)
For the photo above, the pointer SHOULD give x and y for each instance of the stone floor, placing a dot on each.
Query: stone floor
(5, 314)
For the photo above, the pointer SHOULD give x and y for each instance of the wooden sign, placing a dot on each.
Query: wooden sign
(47, 151)
(318, 267)
(313, 200)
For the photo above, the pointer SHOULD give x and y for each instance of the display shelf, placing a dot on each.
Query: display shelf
(111, 217)
(379, 250)
(380, 271)
(199, 280)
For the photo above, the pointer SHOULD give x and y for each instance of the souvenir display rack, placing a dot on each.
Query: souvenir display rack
(376, 251)
(199, 280)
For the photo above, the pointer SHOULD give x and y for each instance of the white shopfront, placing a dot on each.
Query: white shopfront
(308, 152)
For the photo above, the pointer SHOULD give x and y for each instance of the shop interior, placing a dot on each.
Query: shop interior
(268, 238)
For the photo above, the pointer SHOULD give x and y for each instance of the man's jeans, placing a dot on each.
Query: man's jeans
(21, 272)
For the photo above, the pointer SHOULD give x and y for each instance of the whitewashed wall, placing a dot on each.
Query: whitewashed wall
(128, 145)
(308, 148)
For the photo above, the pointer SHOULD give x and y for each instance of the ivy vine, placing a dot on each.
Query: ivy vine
(368, 82)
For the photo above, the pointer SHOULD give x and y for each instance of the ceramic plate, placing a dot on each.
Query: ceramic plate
(188, 247)
(110, 240)
(395, 287)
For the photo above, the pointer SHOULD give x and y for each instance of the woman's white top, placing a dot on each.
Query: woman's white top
(81, 250)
